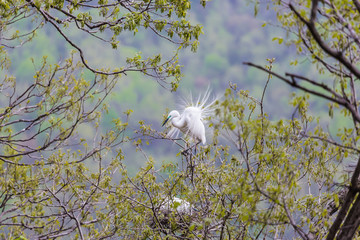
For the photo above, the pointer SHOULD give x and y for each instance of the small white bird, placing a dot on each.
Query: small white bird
(177, 205)
(191, 121)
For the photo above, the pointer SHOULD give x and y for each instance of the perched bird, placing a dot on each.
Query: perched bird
(191, 121)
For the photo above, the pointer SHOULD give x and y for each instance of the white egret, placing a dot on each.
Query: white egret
(191, 121)
(177, 205)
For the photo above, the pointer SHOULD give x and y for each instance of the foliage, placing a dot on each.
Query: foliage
(328, 34)
(105, 21)
(273, 180)
(62, 172)
(56, 179)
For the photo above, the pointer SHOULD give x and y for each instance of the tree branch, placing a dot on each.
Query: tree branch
(312, 28)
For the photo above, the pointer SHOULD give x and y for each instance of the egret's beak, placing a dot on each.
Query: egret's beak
(166, 120)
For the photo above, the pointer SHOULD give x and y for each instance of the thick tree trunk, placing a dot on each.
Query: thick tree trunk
(352, 221)
(348, 220)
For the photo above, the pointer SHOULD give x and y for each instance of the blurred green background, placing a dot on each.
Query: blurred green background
(232, 35)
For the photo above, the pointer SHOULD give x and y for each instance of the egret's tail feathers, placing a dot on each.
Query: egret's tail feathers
(205, 103)
(202, 100)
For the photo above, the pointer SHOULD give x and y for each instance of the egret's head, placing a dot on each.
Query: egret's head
(171, 115)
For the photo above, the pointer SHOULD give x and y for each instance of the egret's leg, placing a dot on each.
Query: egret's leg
(196, 146)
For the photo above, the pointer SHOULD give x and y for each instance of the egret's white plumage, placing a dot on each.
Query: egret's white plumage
(191, 121)
(177, 205)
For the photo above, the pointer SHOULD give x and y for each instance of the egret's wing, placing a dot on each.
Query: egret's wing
(190, 115)
(195, 127)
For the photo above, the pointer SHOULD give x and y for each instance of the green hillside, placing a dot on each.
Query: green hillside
(230, 37)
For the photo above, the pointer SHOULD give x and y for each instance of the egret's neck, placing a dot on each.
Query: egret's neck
(179, 122)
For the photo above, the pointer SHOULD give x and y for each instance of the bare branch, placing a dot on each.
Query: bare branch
(312, 28)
